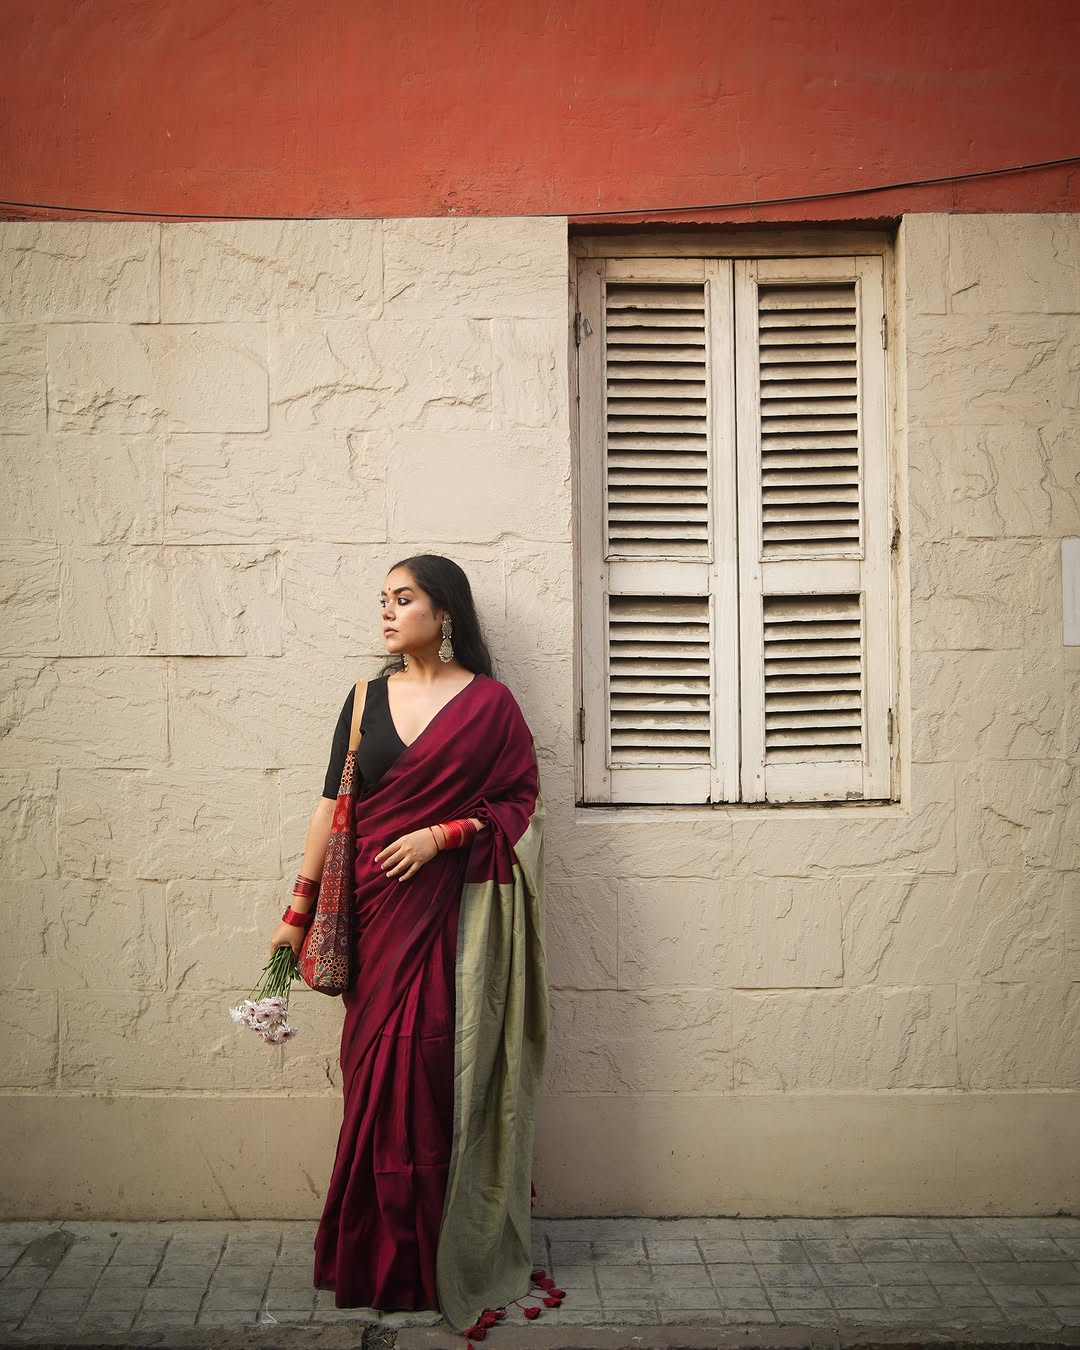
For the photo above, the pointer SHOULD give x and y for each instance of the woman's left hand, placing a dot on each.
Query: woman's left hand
(405, 856)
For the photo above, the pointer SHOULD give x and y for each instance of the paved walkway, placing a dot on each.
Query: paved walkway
(65, 1282)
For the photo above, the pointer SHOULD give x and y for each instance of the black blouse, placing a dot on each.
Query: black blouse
(379, 747)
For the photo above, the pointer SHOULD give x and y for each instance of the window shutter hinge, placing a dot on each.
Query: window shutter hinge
(582, 328)
(885, 331)
(892, 723)
(581, 725)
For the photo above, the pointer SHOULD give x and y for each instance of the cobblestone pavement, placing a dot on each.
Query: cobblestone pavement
(66, 1281)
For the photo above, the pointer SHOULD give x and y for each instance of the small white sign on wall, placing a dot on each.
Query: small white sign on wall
(1070, 592)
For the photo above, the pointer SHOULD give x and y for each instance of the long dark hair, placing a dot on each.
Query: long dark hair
(449, 589)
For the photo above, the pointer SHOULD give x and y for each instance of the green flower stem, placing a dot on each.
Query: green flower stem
(278, 975)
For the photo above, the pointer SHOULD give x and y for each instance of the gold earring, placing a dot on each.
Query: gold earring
(404, 660)
(446, 651)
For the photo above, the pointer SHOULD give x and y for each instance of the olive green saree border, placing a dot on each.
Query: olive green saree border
(484, 1254)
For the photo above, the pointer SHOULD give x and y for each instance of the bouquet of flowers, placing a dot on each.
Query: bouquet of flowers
(266, 1011)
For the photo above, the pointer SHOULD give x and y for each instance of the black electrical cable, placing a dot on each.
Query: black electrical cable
(579, 215)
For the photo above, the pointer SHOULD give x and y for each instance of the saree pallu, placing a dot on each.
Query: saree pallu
(445, 1029)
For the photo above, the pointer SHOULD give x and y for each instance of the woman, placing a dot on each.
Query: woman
(446, 1015)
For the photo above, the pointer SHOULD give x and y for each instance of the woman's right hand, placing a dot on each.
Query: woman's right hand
(287, 935)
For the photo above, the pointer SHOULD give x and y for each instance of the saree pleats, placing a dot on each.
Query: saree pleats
(375, 1246)
(445, 1024)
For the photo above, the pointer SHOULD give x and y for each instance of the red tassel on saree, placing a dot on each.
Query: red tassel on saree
(445, 1029)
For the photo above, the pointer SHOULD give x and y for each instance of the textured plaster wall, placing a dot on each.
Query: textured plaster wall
(216, 438)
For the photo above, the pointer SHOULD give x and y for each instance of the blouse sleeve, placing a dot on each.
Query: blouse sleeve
(339, 749)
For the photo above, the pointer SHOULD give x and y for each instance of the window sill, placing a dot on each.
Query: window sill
(604, 813)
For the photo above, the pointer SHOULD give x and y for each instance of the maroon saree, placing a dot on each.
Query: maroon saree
(445, 1028)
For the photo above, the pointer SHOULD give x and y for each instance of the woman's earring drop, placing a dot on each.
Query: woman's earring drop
(404, 660)
(446, 651)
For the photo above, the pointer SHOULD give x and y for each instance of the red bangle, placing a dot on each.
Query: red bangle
(297, 919)
(305, 888)
(457, 833)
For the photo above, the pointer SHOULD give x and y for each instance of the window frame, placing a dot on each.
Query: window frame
(741, 248)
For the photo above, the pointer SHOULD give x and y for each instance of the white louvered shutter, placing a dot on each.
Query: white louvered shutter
(659, 650)
(813, 530)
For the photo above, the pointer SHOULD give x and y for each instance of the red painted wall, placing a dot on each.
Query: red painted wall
(520, 107)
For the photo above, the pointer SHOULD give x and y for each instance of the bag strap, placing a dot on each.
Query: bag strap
(359, 699)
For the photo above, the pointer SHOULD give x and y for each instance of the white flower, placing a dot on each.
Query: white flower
(266, 1013)
(279, 1034)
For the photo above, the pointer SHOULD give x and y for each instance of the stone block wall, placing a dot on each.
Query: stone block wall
(215, 440)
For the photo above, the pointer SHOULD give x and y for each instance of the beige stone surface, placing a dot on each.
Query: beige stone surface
(539, 615)
(81, 489)
(356, 376)
(809, 843)
(969, 594)
(331, 594)
(1014, 264)
(211, 823)
(264, 489)
(1006, 925)
(330, 597)
(581, 933)
(28, 815)
(508, 487)
(170, 601)
(731, 933)
(29, 490)
(29, 1056)
(544, 688)
(632, 1043)
(869, 1038)
(596, 842)
(979, 705)
(219, 933)
(83, 712)
(164, 377)
(256, 714)
(298, 793)
(1071, 884)
(1019, 1035)
(775, 1002)
(22, 379)
(30, 599)
(992, 482)
(808, 1154)
(121, 1041)
(78, 935)
(976, 371)
(312, 1059)
(110, 488)
(475, 268)
(171, 824)
(101, 822)
(65, 271)
(1072, 712)
(529, 381)
(923, 249)
(217, 1147)
(1019, 813)
(229, 271)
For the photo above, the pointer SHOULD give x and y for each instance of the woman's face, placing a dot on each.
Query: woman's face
(410, 621)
